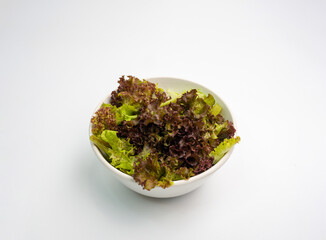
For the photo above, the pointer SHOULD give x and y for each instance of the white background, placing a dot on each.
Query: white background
(59, 59)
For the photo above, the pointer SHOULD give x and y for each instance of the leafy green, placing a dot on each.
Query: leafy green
(173, 95)
(115, 142)
(216, 109)
(209, 99)
(200, 106)
(108, 116)
(215, 130)
(223, 148)
(126, 112)
(118, 150)
(101, 144)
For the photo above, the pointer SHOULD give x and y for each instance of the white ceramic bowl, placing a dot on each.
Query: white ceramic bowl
(180, 187)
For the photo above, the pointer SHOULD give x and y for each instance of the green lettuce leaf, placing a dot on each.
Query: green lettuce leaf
(202, 103)
(216, 109)
(223, 148)
(119, 151)
(116, 143)
(209, 99)
(199, 106)
(102, 145)
(126, 112)
(217, 128)
(174, 96)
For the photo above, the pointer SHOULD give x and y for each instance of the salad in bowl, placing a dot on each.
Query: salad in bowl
(160, 137)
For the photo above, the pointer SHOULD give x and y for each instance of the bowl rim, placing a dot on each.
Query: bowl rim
(127, 177)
